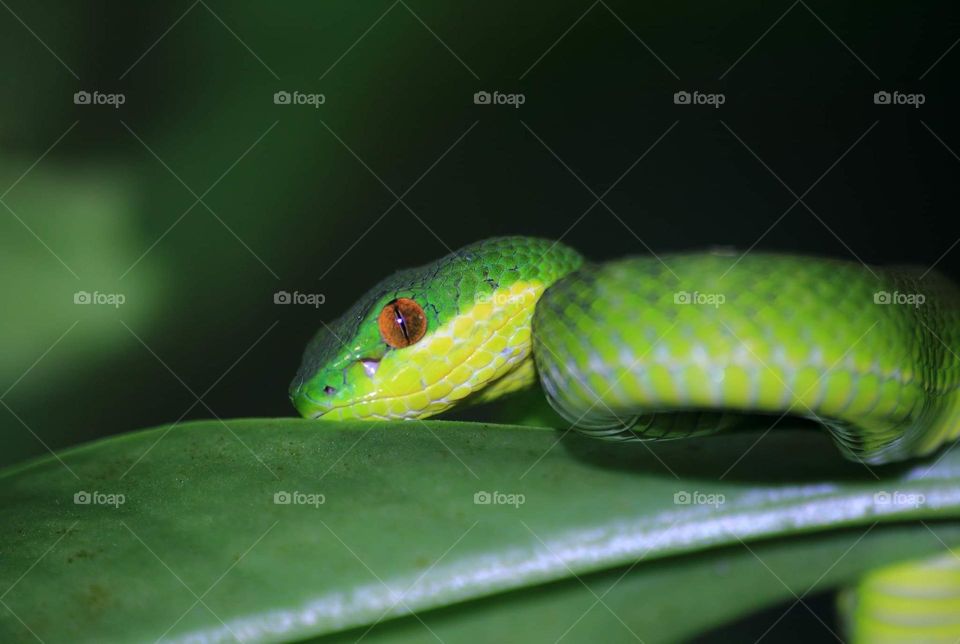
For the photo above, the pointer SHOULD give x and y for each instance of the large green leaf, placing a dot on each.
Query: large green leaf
(668, 599)
(200, 548)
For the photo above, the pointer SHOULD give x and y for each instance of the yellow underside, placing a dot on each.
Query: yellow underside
(485, 347)
(910, 602)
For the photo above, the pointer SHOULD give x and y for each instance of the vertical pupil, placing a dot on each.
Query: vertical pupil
(401, 322)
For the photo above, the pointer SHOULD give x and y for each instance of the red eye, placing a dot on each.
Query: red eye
(402, 323)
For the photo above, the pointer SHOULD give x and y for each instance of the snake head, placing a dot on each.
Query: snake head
(423, 339)
(340, 375)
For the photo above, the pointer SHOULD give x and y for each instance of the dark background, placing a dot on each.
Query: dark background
(302, 199)
(305, 199)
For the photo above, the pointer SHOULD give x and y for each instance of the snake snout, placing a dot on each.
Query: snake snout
(315, 405)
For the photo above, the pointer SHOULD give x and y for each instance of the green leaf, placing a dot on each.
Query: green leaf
(383, 521)
(669, 599)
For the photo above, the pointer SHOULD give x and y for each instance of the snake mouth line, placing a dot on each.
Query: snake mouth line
(320, 408)
(301, 400)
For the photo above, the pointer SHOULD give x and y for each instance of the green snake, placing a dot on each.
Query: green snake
(653, 347)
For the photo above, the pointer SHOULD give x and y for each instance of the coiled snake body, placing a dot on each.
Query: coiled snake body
(653, 347)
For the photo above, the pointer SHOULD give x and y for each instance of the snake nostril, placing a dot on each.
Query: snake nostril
(329, 390)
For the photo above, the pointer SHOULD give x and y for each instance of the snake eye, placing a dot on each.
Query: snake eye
(402, 323)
